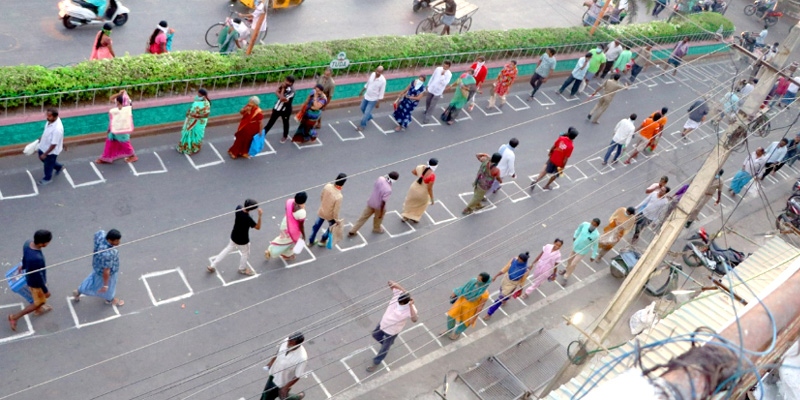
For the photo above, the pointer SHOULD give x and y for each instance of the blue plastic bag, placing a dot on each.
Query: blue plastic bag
(257, 144)
(18, 283)
(329, 242)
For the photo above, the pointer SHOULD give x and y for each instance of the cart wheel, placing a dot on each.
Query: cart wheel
(212, 34)
(749, 9)
(465, 25)
(426, 26)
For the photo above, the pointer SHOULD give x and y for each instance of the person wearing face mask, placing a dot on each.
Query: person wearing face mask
(506, 164)
(440, 78)
(584, 239)
(505, 79)
(158, 39)
(488, 173)
(102, 282)
(479, 71)
(240, 236)
(373, 92)
(102, 49)
(376, 204)
(598, 59)
(401, 309)
(467, 302)
(292, 229)
(514, 275)
(407, 102)
(653, 209)
(545, 266)
(420, 194)
(715, 188)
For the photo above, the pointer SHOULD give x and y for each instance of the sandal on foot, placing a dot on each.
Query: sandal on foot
(76, 296)
(13, 323)
(267, 255)
(44, 309)
(248, 272)
(211, 269)
(116, 302)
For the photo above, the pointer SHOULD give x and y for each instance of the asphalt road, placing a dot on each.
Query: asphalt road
(31, 33)
(185, 333)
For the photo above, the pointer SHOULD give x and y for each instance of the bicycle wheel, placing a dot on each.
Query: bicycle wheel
(465, 25)
(212, 34)
(426, 26)
(749, 9)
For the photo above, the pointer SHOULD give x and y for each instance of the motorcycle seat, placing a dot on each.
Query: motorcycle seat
(89, 6)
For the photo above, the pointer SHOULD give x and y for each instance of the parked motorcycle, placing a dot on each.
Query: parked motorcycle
(747, 40)
(420, 4)
(789, 220)
(701, 250)
(75, 13)
(759, 9)
(662, 281)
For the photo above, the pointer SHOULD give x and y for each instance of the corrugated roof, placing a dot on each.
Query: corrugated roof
(709, 309)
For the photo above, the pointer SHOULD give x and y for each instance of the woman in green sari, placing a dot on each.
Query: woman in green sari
(465, 89)
(468, 301)
(195, 125)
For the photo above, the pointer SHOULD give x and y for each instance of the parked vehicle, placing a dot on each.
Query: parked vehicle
(420, 4)
(758, 8)
(702, 250)
(663, 280)
(74, 13)
(789, 220)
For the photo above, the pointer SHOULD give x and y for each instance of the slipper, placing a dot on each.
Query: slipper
(248, 272)
(116, 302)
(267, 255)
(13, 323)
(211, 269)
(43, 310)
(76, 296)
(301, 395)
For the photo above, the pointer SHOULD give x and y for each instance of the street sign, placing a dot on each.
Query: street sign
(340, 62)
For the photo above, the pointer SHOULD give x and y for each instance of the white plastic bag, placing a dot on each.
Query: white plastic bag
(643, 319)
(299, 246)
(31, 147)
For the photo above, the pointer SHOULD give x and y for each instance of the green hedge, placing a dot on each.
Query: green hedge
(131, 70)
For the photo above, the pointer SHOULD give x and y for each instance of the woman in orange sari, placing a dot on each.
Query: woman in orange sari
(249, 126)
(468, 301)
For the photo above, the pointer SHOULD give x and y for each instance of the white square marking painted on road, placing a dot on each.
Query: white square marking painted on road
(664, 144)
(425, 328)
(574, 98)
(95, 182)
(682, 140)
(577, 173)
(22, 196)
(463, 111)
(18, 335)
(400, 217)
(596, 163)
(161, 273)
(525, 104)
(319, 383)
(466, 197)
(158, 171)
(316, 143)
(549, 102)
(492, 300)
(208, 164)
(435, 122)
(452, 216)
(267, 150)
(540, 185)
(348, 237)
(648, 81)
(380, 128)
(246, 277)
(78, 324)
(489, 114)
(355, 353)
(514, 190)
(299, 263)
(665, 79)
(345, 139)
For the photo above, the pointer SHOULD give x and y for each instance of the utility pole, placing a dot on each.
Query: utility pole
(672, 228)
(256, 27)
(599, 17)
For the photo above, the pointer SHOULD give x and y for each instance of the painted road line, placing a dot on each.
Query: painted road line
(452, 216)
(158, 171)
(299, 263)
(233, 282)
(464, 112)
(525, 105)
(434, 123)
(162, 273)
(384, 131)
(208, 164)
(19, 334)
(399, 217)
(353, 354)
(267, 150)
(489, 114)
(321, 386)
(316, 143)
(596, 163)
(516, 190)
(22, 196)
(345, 139)
(90, 183)
(348, 237)
(466, 197)
(549, 101)
(577, 173)
(540, 185)
(419, 325)
(78, 323)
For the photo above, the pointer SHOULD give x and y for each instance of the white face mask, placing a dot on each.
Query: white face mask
(389, 179)
(432, 167)
(418, 83)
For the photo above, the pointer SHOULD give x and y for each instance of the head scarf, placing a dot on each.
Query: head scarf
(473, 289)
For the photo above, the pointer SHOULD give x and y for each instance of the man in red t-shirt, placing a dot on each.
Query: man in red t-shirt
(479, 72)
(557, 158)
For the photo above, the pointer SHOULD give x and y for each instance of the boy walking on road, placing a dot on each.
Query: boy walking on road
(401, 309)
(240, 236)
(34, 267)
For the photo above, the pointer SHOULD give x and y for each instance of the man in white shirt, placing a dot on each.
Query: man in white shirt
(622, 137)
(776, 153)
(655, 204)
(506, 164)
(401, 309)
(373, 93)
(285, 369)
(50, 146)
(613, 51)
(436, 85)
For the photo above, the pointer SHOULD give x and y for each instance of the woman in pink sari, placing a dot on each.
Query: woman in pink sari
(120, 127)
(292, 229)
(102, 48)
(544, 266)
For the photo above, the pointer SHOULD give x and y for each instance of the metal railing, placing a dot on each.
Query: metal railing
(76, 99)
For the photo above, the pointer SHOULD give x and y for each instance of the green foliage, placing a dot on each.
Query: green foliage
(272, 61)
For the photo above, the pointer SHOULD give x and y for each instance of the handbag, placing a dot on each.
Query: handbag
(257, 144)
(299, 246)
(31, 147)
(18, 283)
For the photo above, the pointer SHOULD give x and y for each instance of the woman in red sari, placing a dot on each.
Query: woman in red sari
(248, 127)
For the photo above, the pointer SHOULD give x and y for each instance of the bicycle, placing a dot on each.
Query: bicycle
(463, 18)
(212, 34)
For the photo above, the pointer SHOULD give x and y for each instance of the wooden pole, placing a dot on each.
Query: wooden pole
(599, 17)
(256, 30)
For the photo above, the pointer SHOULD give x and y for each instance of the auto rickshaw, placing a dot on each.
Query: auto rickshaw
(274, 4)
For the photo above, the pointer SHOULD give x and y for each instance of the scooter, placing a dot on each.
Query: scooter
(701, 249)
(789, 220)
(75, 13)
(420, 4)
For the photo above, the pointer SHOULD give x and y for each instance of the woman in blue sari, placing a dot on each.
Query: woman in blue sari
(468, 301)
(102, 282)
(309, 115)
(407, 102)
